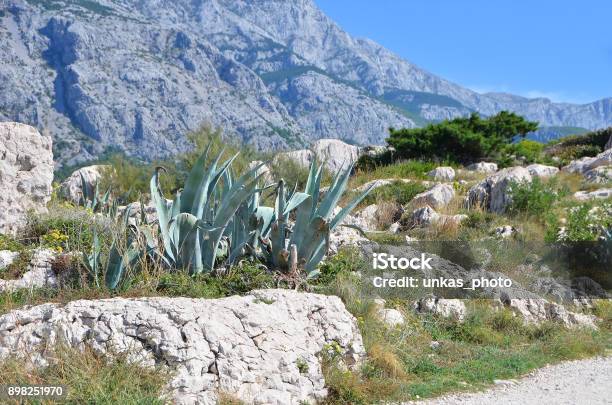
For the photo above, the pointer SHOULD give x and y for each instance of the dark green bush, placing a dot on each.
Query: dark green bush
(461, 139)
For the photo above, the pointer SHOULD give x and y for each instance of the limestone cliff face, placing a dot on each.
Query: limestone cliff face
(139, 75)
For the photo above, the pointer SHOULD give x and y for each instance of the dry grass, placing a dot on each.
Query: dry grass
(90, 378)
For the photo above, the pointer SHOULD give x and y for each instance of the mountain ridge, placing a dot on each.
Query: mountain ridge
(139, 75)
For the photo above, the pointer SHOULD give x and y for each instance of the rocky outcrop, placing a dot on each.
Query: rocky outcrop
(599, 175)
(585, 164)
(39, 273)
(540, 310)
(493, 193)
(483, 167)
(334, 153)
(436, 197)
(72, 188)
(442, 173)
(447, 308)
(26, 173)
(542, 171)
(262, 348)
(601, 194)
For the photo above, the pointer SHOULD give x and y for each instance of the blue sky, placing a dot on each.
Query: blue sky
(557, 49)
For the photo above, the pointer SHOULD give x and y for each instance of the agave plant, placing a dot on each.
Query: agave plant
(304, 244)
(192, 226)
(91, 197)
(130, 243)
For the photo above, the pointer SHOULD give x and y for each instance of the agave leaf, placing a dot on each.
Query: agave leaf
(349, 207)
(163, 218)
(295, 200)
(331, 198)
(316, 232)
(193, 182)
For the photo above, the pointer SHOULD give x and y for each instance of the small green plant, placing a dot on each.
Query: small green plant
(8, 243)
(302, 366)
(398, 191)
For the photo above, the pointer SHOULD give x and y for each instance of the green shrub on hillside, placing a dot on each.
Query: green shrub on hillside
(577, 146)
(130, 177)
(529, 151)
(461, 139)
(536, 198)
(584, 222)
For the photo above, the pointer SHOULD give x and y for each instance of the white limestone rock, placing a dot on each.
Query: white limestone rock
(585, 164)
(542, 171)
(39, 273)
(601, 194)
(447, 308)
(26, 173)
(442, 173)
(249, 347)
(438, 196)
(493, 192)
(72, 188)
(599, 175)
(540, 310)
(334, 153)
(483, 167)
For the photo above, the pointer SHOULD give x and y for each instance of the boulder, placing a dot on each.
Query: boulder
(438, 196)
(540, 310)
(262, 348)
(302, 157)
(447, 308)
(72, 188)
(442, 173)
(334, 153)
(542, 171)
(483, 167)
(585, 164)
(39, 273)
(600, 175)
(7, 258)
(427, 216)
(493, 192)
(26, 174)
(375, 216)
(391, 317)
(601, 194)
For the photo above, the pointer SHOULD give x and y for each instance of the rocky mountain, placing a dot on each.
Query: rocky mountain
(137, 75)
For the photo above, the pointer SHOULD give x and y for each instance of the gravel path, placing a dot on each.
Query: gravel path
(585, 382)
